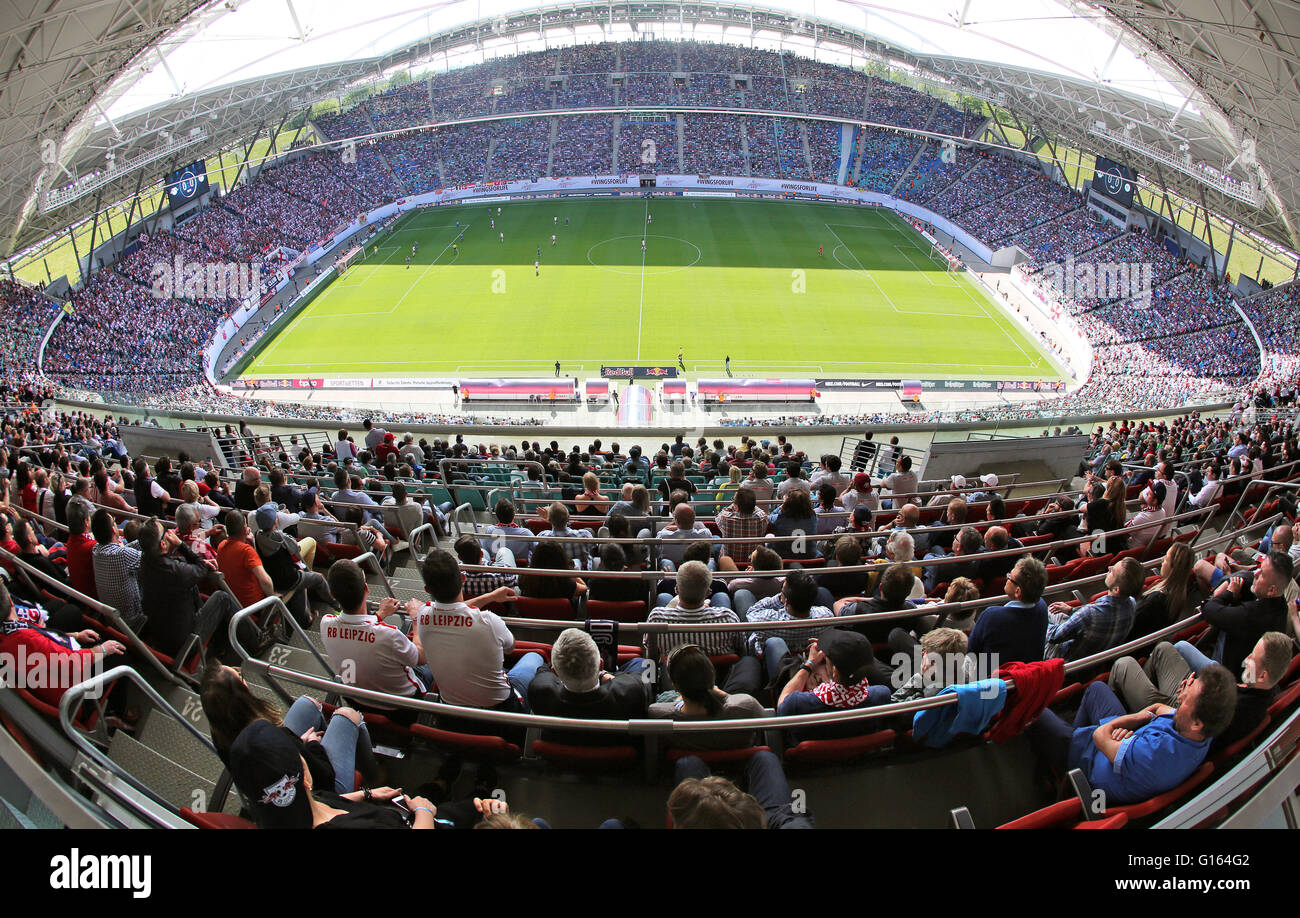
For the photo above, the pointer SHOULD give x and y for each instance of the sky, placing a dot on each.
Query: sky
(260, 37)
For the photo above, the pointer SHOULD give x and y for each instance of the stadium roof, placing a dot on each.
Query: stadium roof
(1198, 95)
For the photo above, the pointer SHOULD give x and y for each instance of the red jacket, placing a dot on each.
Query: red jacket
(42, 665)
(1035, 685)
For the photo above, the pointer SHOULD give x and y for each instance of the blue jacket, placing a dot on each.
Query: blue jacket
(977, 704)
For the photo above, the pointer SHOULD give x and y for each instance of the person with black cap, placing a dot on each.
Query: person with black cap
(833, 678)
(282, 559)
(281, 793)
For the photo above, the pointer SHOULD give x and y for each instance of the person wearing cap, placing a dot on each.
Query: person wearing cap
(574, 684)
(272, 776)
(954, 492)
(387, 447)
(1152, 511)
(989, 481)
(833, 678)
(282, 519)
(860, 493)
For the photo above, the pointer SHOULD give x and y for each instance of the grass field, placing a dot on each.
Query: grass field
(717, 278)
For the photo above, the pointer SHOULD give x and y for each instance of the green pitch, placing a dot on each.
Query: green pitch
(717, 278)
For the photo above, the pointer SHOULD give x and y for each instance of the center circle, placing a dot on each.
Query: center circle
(632, 250)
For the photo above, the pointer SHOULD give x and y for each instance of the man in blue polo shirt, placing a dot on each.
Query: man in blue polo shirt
(1133, 757)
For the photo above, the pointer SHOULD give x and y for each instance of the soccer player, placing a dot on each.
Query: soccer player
(503, 237)
(539, 253)
(679, 358)
(552, 239)
(413, 249)
(498, 211)
(408, 262)
(566, 221)
(649, 218)
(819, 251)
(455, 250)
(728, 364)
(555, 220)
(457, 224)
(557, 368)
(642, 246)
(537, 269)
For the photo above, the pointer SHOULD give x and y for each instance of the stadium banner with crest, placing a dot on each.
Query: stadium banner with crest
(637, 372)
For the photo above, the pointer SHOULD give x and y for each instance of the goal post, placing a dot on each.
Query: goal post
(350, 257)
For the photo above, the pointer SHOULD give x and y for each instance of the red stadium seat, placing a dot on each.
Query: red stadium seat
(587, 757)
(551, 609)
(215, 820)
(1059, 815)
(717, 756)
(617, 611)
(474, 746)
(811, 752)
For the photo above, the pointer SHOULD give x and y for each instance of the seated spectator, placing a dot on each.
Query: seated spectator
(828, 472)
(333, 751)
(795, 517)
(966, 543)
(745, 591)
(758, 482)
(272, 774)
(696, 603)
(81, 569)
(590, 502)
(694, 679)
(830, 513)
(924, 668)
(741, 519)
(367, 536)
(516, 538)
(378, 655)
(1015, 632)
(796, 602)
(1152, 510)
(1076, 633)
(550, 556)
(465, 646)
(240, 563)
(575, 684)
(1167, 600)
(674, 537)
(996, 538)
(847, 552)
(677, 481)
(615, 589)
(117, 565)
(833, 678)
(1245, 606)
(901, 483)
(284, 561)
(1169, 669)
(577, 552)
(24, 640)
(896, 585)
(1159, 746)
(860, 494)
(702, 801)
(478, 583)
(169, 579)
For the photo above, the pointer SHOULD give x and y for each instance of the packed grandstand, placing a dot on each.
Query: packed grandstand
(405, 616)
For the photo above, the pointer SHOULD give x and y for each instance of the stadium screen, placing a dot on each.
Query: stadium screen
(1114, 181)
(187, 183)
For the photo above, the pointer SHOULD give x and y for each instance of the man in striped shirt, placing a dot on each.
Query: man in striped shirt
(694, 585)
